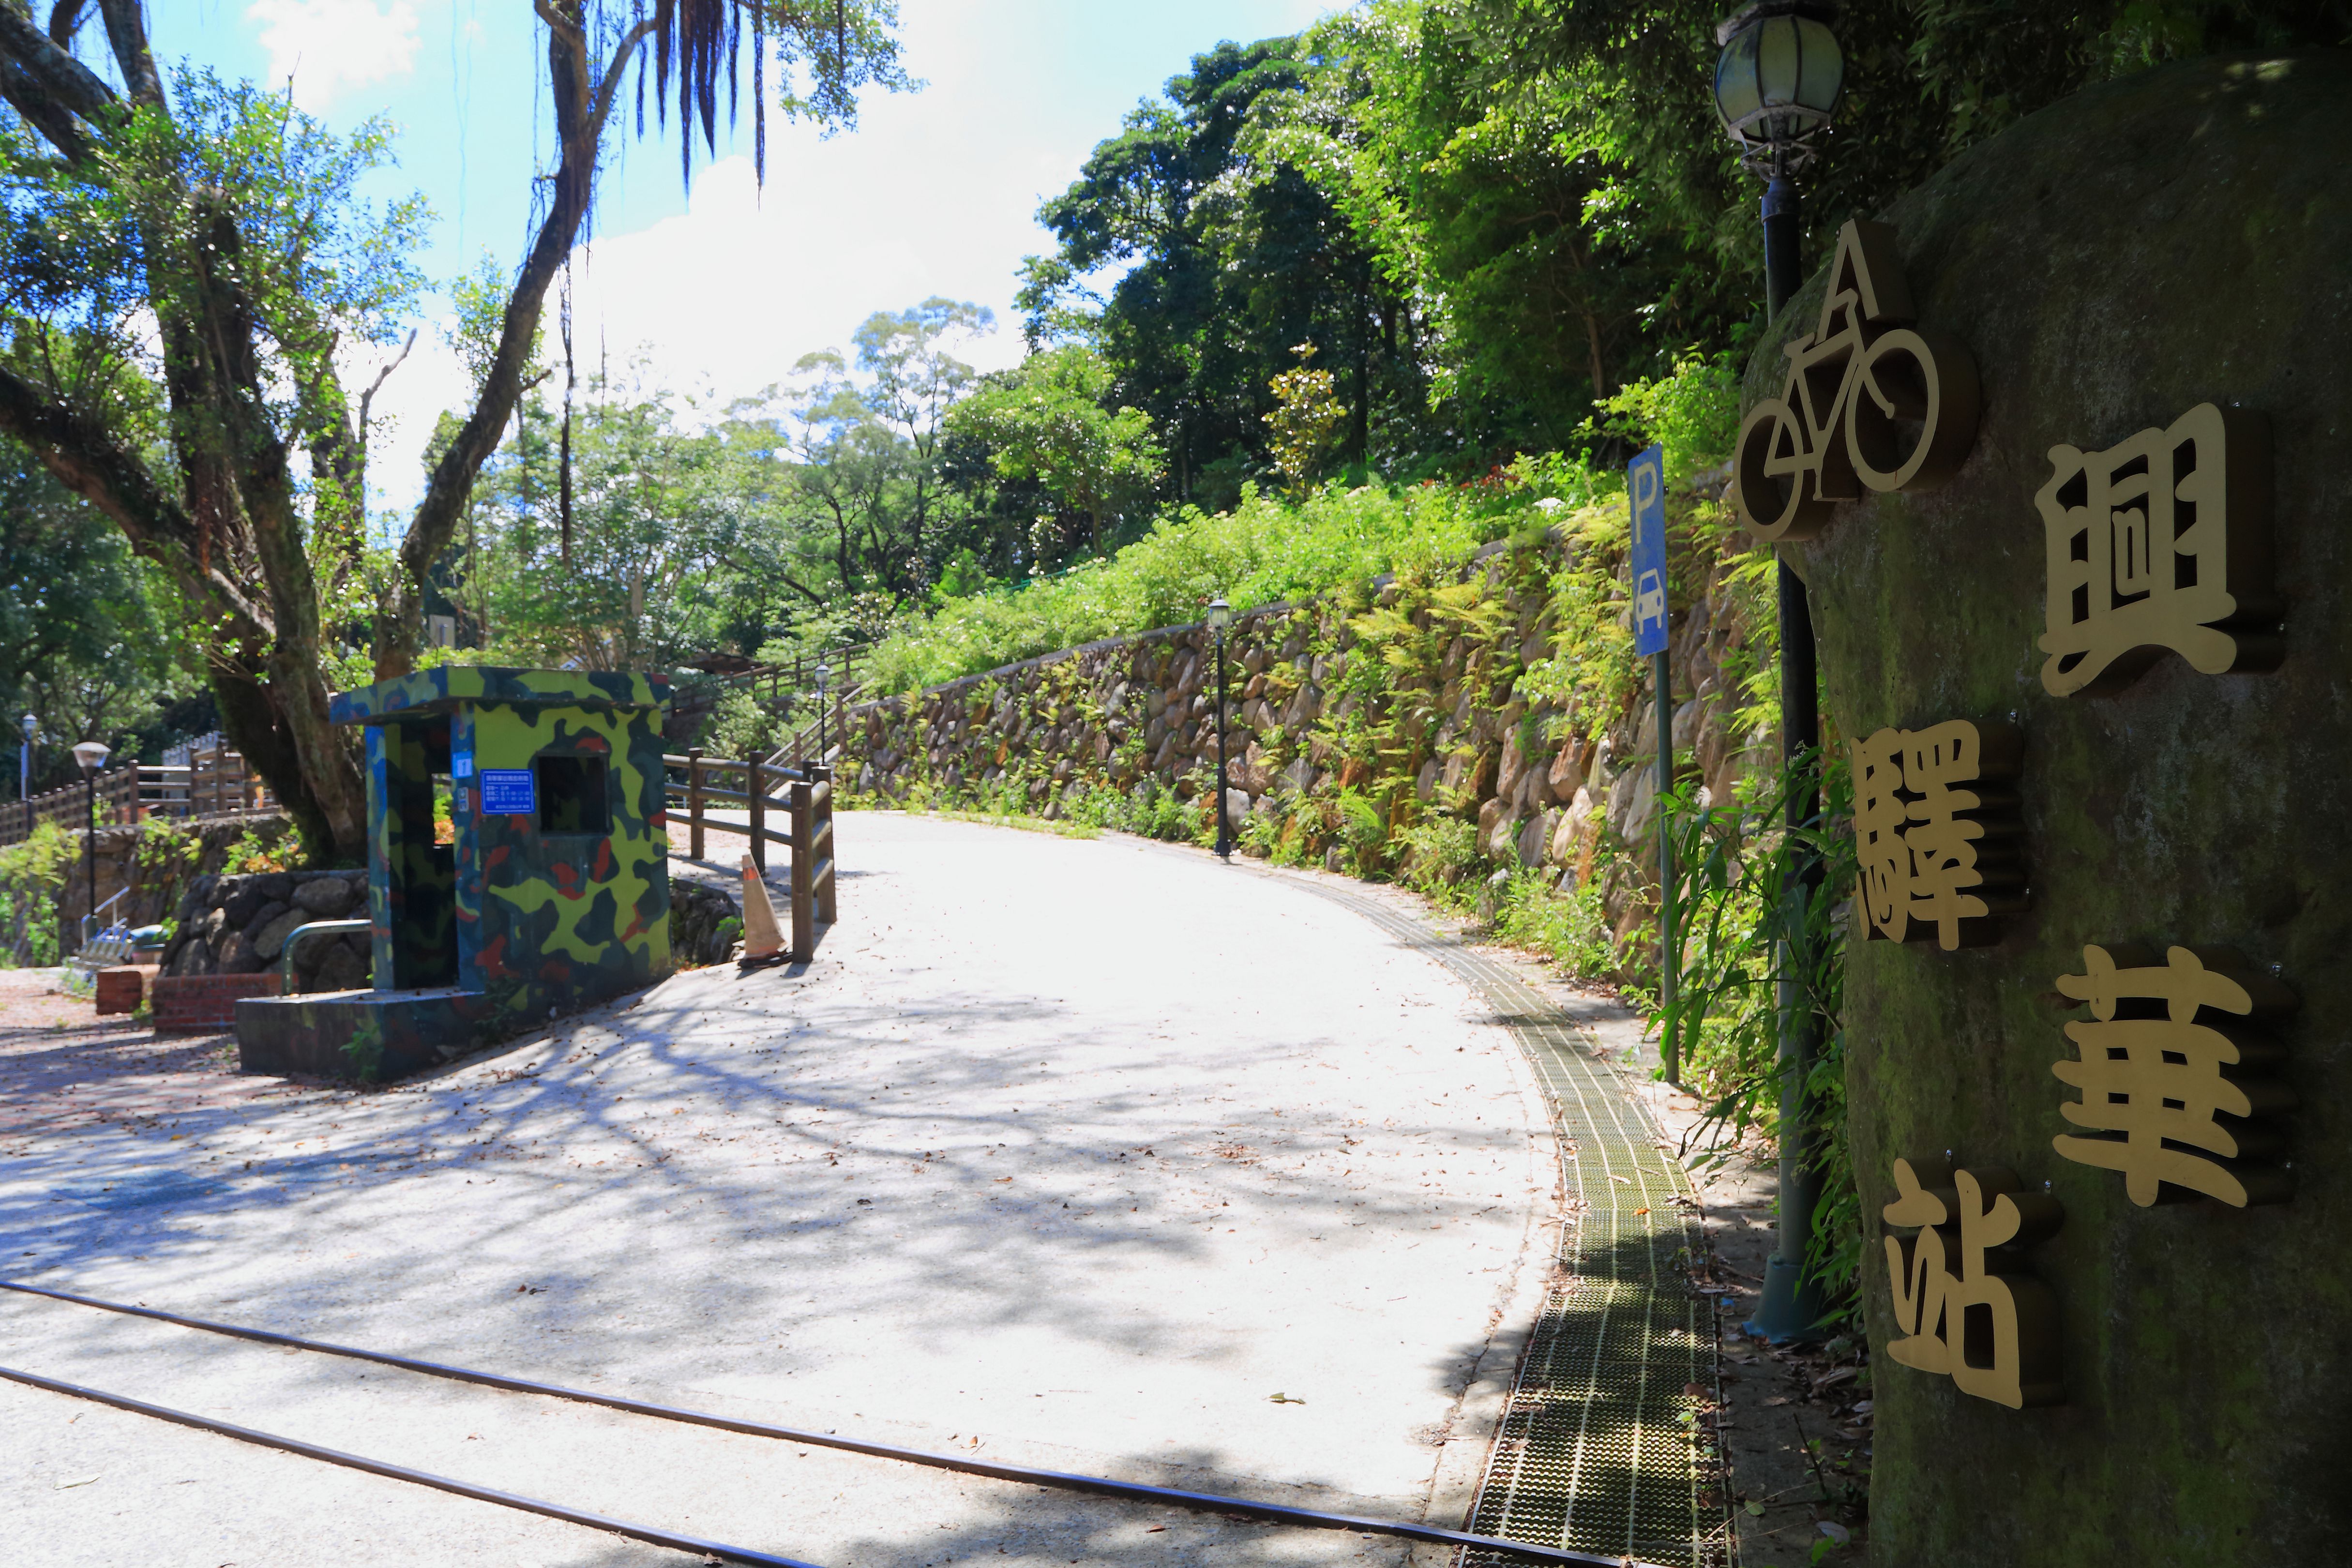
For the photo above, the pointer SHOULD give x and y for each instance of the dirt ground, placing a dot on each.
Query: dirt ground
(62, 1066)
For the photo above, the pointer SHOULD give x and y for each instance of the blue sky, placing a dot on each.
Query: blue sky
(724, 287)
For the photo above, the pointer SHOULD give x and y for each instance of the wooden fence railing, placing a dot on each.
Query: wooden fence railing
(214, 783)
(787, 681)
(806, 806)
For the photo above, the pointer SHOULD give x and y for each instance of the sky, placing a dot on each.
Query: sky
(722, 287)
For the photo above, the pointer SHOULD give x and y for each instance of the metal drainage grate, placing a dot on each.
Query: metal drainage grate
(1599, 1450)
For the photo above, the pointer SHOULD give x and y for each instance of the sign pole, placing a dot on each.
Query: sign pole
(1669, 935)
(1645, 489)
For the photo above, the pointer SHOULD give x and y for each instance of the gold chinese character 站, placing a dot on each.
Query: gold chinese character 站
(1990, 1328)
(2167, 1099)
(2159, 543)
(1933, 855)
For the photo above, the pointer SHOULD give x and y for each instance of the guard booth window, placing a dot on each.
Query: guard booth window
(572, 796)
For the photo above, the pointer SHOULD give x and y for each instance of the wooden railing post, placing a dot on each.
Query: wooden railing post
(824, 875)
(803, 873)
(756, 801)
(694, 802)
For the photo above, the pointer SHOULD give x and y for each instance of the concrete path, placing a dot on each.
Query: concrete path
(1074, 1153)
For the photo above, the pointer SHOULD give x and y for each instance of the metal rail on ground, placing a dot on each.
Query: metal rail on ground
(1134, 1491)
(403, 1473)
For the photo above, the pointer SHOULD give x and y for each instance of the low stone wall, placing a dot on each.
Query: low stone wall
(239, 925)
(1544, 780)
(705, 924)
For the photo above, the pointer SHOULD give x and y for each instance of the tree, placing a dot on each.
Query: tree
(84, 645)
(652, 515)
(1047, 422)
(230, 222)
(1226, 269)
(863, 508)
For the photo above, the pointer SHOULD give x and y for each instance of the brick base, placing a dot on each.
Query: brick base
(119, 989)
(205, 1004)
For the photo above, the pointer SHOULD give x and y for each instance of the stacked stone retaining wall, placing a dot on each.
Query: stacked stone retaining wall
(1545, 785)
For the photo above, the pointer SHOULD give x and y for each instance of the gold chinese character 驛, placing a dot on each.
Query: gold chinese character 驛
(2157, 1084)
(1923, 842)
(2162, 543)
(1871, 401)
(1990, 1328)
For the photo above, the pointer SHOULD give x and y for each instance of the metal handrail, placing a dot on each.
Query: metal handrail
(285, 957)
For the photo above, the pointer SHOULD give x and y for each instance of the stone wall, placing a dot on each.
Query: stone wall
(1548, 779)
(239, 925)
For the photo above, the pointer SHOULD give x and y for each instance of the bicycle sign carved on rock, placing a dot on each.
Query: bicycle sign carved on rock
(1873, 401)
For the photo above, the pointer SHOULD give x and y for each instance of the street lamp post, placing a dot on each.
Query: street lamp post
(91, 755)
(1221, 615)
(823, 673)
(1776, 85)
(24, 762)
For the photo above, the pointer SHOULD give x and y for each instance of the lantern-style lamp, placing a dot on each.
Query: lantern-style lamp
(91, 755)
(1779, 81)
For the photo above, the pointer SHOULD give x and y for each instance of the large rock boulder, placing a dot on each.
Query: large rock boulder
(2173, 239)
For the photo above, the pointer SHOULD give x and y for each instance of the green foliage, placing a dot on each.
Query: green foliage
(1732, 864)
(1225, 263)
(1693, 411)
(33, 872)
(1567, 924)
(262, 848)
(743, 726)
(1263, 552)
(1050, 422)
(89, 639)
(1306, 414)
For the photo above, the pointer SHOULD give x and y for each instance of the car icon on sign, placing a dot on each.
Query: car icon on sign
(1650, 599)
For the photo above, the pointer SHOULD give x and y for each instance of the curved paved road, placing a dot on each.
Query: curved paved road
(1076, 1151)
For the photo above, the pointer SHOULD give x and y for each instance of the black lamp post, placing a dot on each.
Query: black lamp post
(91, 755)
(823, 672)
(1221, 615)
(25, 762)
(1776, 85)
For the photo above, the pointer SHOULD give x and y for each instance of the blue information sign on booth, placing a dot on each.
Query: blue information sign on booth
(1645, 482)
(508, 792)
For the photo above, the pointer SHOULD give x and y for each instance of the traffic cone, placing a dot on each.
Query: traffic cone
(762, 936)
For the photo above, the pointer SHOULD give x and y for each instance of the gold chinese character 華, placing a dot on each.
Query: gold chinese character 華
(1923, 842)
(2162, 543)
(1871, 401)
(2157, 1084)
(1990, 1328)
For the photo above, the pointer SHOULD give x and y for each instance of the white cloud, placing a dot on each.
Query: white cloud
(733, 290)
(328, 46)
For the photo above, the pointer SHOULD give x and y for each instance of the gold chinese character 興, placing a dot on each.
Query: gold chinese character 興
(2167, 1099)
(1871, 401)
(1990, 1328)
(1923, 842)
(2162, 543)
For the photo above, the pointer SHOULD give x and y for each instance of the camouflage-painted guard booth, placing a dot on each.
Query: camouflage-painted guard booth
(554, 894)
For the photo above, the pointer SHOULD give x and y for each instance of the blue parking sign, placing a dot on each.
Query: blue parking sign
(1646, 484)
